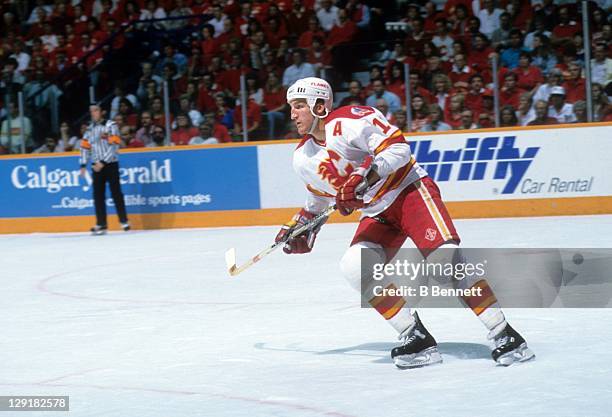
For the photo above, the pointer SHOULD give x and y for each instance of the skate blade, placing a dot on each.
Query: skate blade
(520, 354)
(99, 233)
(427, 357)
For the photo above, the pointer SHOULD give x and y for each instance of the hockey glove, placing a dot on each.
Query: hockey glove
(350, 194)
(304, 242)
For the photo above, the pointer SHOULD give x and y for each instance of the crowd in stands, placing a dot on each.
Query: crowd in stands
(53, 50)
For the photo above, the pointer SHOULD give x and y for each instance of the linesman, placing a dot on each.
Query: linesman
(100, 145)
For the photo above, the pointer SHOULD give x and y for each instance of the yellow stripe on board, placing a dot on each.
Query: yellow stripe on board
(457, 210)
(289, 141)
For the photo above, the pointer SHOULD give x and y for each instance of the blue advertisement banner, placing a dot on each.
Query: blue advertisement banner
(152, 182)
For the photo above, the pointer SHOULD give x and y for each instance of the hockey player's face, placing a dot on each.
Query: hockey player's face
(301, 116)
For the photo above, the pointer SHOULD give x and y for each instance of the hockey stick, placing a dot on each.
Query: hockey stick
(230, 255)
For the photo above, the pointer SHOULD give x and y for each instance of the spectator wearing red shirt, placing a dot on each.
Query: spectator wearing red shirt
(219, 130)
(206, 90)
(229, 79)
(274, 32)
(479, 57)
(343, 31)
(473, 98)
(485, 121)
(184, 130)
(242, 22)
(297, 21)
(452, 114)
(395, 81)
(208, 44)
(126, 109)
(36, 30)
(61, 16)
(459, 20)
(319, 56)
(418, 37)
(420, 113)
(417, 88)
(574, 84)
(314, 29)
(201, 7)
(228, 33)
(451, 6)
(157, 111)
(461, 72)
(85, 48)
(565, 28)
(510, 94)
(429, 50)
(79, 20)
(130, 12)
(528, 76)
(274, 105)
(356, 94)
(253, 117)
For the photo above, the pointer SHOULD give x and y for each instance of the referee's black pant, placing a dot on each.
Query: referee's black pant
(110, 174)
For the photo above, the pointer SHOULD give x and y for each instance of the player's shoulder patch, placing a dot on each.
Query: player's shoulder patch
(350, 112)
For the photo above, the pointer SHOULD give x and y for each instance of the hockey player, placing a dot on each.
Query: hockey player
(354, 157)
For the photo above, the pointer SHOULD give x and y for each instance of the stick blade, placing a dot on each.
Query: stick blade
(230, 261)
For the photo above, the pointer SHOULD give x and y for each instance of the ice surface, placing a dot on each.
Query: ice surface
(149, 324)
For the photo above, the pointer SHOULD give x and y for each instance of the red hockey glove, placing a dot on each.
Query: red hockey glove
(350, 194)
(304, 242)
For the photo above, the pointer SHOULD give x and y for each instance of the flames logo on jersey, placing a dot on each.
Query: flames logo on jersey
(331, 172)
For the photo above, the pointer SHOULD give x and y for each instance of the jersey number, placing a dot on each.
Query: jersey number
(385, 128)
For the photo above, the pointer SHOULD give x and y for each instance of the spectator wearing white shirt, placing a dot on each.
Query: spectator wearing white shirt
(540, 29)
(555, 79)
(205, 136)
(442, 40)
(525, 112)
(51, 145)
(10, 138)
(489, 18)
(152, 11)
(120, 94)
(601, 65)
(559, 109)
(22, 58)
(298, 70)
(217, 20)
(35, 16)
(327, 15)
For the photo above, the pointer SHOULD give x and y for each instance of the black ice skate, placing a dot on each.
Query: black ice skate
(418, 348)
(125, 226)
(510, 347)
(98, 230)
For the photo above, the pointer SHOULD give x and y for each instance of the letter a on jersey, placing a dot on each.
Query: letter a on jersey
(338, 129)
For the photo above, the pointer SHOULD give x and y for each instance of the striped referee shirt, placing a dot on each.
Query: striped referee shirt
(100, 142)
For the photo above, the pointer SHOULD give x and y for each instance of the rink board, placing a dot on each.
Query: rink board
(483, 173)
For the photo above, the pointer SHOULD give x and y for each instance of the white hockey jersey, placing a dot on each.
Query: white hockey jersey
(352, 133)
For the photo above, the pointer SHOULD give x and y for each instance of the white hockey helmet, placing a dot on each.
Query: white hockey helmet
(311, 89)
